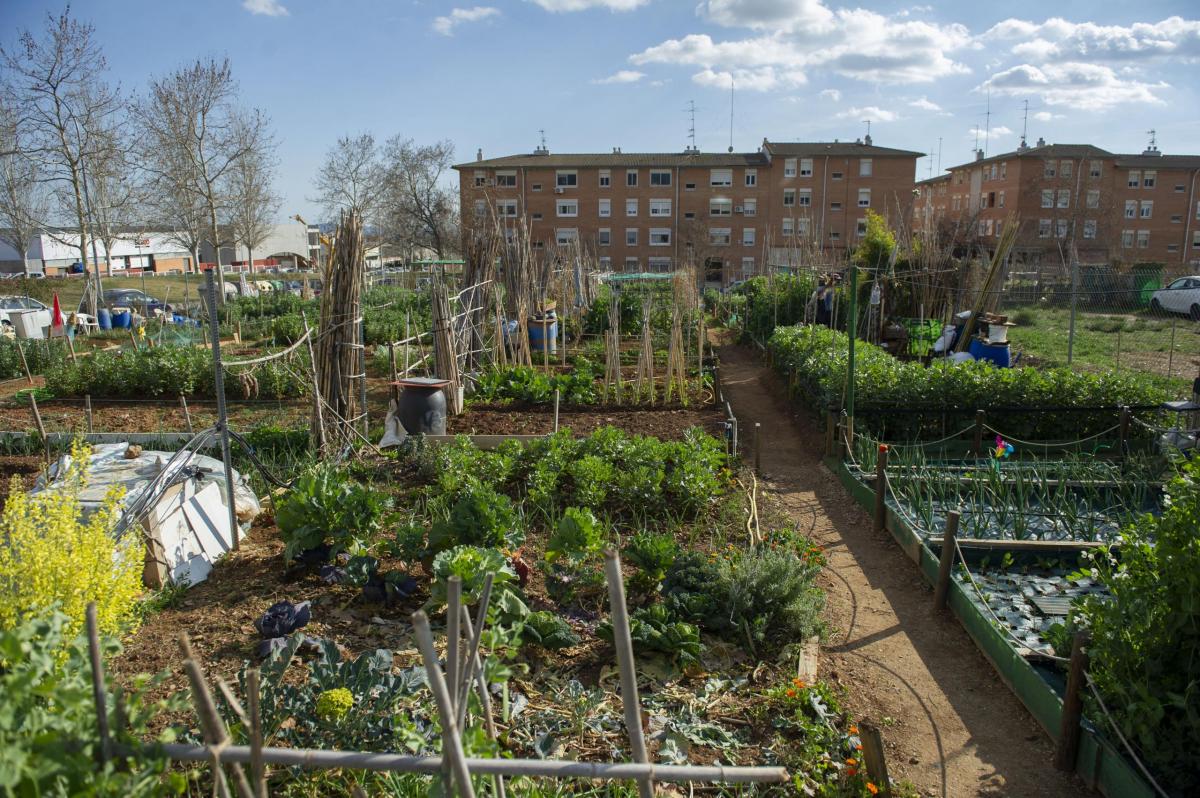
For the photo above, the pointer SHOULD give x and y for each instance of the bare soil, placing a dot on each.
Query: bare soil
(950, 725)
(666, 423)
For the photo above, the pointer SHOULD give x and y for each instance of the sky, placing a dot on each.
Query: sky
(598, 74)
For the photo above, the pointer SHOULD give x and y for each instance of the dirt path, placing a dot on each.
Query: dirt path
(951, 726)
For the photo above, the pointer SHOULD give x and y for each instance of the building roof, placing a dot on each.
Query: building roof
(936, 179)
(1159, 160)
(1043, 151)
(618, 159)
(860, 148)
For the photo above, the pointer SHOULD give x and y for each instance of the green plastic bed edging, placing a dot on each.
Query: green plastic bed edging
(1099, 763)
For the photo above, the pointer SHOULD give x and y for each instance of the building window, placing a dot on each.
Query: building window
(1143, 239)
(659, 264)
(1089, 228)
(1177, 218)
(631, 235)
(605, 178)
(835, 206)
(480, 208)
(747, 236)
(604, 237)
(660, 177)
(864, 198)
(750, 207)
(836, 176)
(834, 235)
(1095, 169)
(567, 207)
(660, 236)
(789, 227)
(1130, 209)
(954, 202)
(719, 236)
(1180, 188)
(806, 167)
(689, 186)
(1198, 210)
(789, 197)
(631, 178)
(1149, 178)
(719, 206)
(1065, 168)
(565, 235)
(1061, 225)
(1048, 169)
(539, 244)
(751, 178)
(605, 208)
(537, 216)
(606, 263)
(789, 167)
(507, 208)
(1172, 247)
(660, 207)
(860, 229)
(689, 214)
(566, 179)
(1135, 179)
(1047, 198)
(1147, 208)
(1044, 226)
(480, 178)
(1064, 198)
(1001, 199)
(805, 198)
(536, 187)
(1196, 240)
(631, 207)
(864, 167)
(720, 177)
(1093, 198)
(507, 179)
(747, 268)
(1003, 169)
(631, 264)
(1127, 239)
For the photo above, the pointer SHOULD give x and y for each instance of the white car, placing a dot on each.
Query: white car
(1181, 296)
(8, 303)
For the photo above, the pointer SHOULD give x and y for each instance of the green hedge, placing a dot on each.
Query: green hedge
(816, 359)
(166, 371)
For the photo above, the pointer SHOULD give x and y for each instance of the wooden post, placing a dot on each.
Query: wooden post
(757, 448)
(624, 646)
(41, 428)
(1124, 430)
(849, 429)
(93, 633)
(187, 414)
(881, 488)
(942, 587)
(557, 397)
(258, 780)
(395, 376)
(24, 362)
(87, 411)
(213, 728)
(133, 340)
(545, 346)
(830, 433)
(71, 348)
(873, 757)
(1072, 711)
(452, 748)
(980, 416)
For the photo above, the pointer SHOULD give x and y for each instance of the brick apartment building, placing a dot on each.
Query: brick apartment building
(1109, 207)
(735, 212)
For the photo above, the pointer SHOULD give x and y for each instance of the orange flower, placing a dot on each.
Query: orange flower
(871, 788)
(851, 771)
(799, 683)
(790, 693)
(851, 761)
(854, 730)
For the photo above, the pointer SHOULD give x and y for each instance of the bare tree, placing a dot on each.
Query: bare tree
(351, 178)
(253, 201)
(195, 129)
(422, 209)
(56, 84)
(23, 205)
(116, 194)
(173, 206)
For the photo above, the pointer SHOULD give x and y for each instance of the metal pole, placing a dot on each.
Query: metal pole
(852, 324)
(1171, 351)
(222, 414)
(623, 642)
(1074, 302)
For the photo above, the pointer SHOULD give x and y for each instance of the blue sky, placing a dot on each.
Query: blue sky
(595, 74)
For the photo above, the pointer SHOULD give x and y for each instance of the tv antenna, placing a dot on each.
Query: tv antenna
(730, 112)
(691, 109)
(1025, 124)
(939, 155)
(987, 123)
(976, 129)
(868, 121)
(1153, 138)
(542, 133)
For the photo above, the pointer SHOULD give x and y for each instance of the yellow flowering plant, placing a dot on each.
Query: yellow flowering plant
(52, 557)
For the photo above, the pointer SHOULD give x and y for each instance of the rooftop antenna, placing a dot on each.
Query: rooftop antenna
(1153, 138)
(939, 155)
(988, 123)
(976, 129)
(1025, 124)
(542, 133)
(730, 112)
(691, 109)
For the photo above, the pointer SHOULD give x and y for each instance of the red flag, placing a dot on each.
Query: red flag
(56, 318)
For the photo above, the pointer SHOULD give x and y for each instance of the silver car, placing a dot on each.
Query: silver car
(8, 303)
(1181, 296)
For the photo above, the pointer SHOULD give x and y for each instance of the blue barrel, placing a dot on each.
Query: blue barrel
(539, 331)
(122, 320)
(104, 319)
(993, 353)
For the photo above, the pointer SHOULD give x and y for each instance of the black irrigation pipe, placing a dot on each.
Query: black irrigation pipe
(919, 410)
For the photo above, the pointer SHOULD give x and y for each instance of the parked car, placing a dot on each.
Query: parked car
(131, 298)
(1181, 296)
(8, 303)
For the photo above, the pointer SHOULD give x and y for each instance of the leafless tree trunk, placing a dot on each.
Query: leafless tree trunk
(56, 84)
(253, 202)
(419, 204)
(192, 121)
(115, 192)
(23, 206)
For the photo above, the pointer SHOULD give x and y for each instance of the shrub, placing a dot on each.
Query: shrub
(328, 507)
(1145, 649)
(479, 517)
(770, 596)
(54, 558)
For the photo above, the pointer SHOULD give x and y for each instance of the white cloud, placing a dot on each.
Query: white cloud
(831, 94)
(1046, 116)
(1057, 39)
(557, 6)
(1089, 87)
(700, 49)
(925, 104)
(869, 112)
(768, 14)
(998, 132)
(446, 25)
(758, 79)
(267, 8)
(621, 76)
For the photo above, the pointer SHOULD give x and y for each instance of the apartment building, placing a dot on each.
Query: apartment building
(734, 212)
(1073, 198)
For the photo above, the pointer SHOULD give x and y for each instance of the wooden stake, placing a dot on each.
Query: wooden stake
(187, 414)
(41, 428)
(942, 587)
(93, 633)
(881, 488)
(830, 428)
(1124, 430)
(1072, 712)
(623, 643)
(873, 757)
(258, 778)
(395, 376)
(452, 748)
(87, 411)
(211, 724)
(757, 448)
(24, 362)
(71, 348)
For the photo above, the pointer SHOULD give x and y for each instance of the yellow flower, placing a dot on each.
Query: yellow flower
(851, 761)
